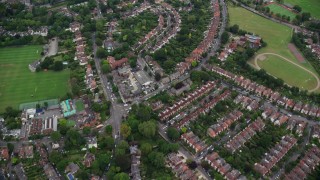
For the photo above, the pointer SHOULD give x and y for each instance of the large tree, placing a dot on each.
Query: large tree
(173, 133)
(55, 136)
(125, 130)
(121, 176)
(156, 159)
(148, 128)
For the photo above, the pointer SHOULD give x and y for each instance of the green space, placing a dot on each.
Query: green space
(275, 8)
(277, 37)
(133, 29)
(311, 6)
(71, 123)
(293, 74)
(79, 105)
(19, 85)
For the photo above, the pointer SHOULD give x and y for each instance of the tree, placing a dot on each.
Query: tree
(46, 104)
(101, 53)
(125, 131)
(305, 16)
(106, 142)
(108, 129)
(205, 165)
(73, 139)
(121, 176)
(297, 8)
(234, 29)
(146, 148)
(224, 37)
(157, 76)
(123, 162)
(58, 66)
(55, 136)
(148, 129)
(86, 130)
(55, 157)
(173, 133)
(106, 68)
(192, 164)
(156, 159)
(10, 147)
(81, 174)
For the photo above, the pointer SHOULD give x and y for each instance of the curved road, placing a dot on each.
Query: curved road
(284, 58)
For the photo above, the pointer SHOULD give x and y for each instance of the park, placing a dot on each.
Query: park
(277, 37)
(278, 9)
(311, 6)
(19, 85)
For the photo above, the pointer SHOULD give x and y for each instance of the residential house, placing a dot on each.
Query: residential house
(274, 156)
(4, 153)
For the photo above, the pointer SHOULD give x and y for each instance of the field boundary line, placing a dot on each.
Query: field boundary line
(288, 60)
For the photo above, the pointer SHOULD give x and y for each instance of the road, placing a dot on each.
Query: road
(117, 110)
(288, 60)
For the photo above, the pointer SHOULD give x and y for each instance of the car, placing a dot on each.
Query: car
(125, 105)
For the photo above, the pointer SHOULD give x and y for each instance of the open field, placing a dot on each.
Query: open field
(19, 85)
(277, 37)
(275, 8)
(273, 65)
(311, 6)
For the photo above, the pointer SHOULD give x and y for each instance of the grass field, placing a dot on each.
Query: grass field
(311, 6)
(277, 37)
(275, 67)
(18, 83)
(275, 8)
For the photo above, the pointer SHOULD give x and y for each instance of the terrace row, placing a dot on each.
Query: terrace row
(274, 96)
(275, 155)
(224, 123)
(168, 112)
(205, 43)
(202, 110)
(242, 137)
(223, 167)
(306, 165)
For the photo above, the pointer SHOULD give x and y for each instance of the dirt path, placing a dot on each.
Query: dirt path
(262, 56)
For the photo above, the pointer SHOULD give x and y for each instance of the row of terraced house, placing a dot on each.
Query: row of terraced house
(273, 96)
(275, 155)
(180, 168)
(306, 165)
(173, 31)
(82, 57)
(245, 135)
(168, 112)
(206, 43)
(224, 123)
(225, 169)
(194, 141)
(203, 110)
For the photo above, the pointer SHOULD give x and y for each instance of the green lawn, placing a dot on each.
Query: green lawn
(18, 83)
(79, 105)
(275, 8)
(274, 65)
(311, 6)
(277, 37)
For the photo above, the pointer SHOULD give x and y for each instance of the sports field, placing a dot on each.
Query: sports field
(275, 67)
(311, 6)
(277, 37)
(275, 8)
(19, 85)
